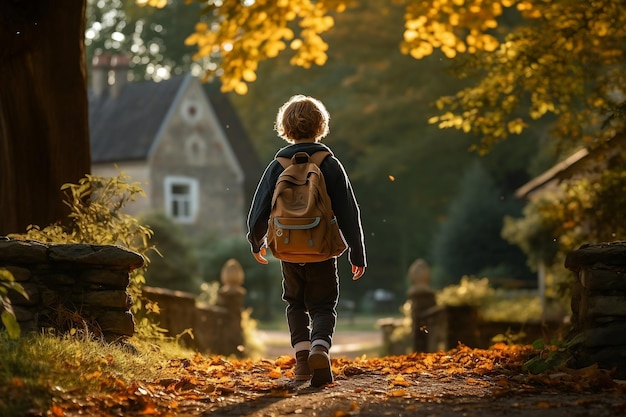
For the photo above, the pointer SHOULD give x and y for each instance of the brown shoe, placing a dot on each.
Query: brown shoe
(319, 364)
(302, 371)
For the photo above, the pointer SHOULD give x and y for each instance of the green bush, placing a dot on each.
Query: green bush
(7, 282)
(96, 217)
(174, 264)
(492, 304)
(560, 219)
(469, 242)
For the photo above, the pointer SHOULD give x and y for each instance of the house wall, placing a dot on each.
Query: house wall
(192, 145)
(138, 172)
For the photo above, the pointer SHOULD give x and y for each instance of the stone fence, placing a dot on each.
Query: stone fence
(214, 328)
(444, 327)
(71, 286)
(596, 333)
(85, 287)
(599, 306)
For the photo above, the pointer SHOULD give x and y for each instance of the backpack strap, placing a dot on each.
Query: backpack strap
(317, 158)
(285, 162)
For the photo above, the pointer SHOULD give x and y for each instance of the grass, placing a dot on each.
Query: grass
(34, 366)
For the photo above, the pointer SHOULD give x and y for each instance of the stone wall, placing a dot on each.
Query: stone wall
(215, 328)
(84, 287)
(440, 328)
(447, 326)
(599, 306)
(71, 286)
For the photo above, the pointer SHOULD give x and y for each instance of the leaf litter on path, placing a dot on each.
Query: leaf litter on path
(481, 382)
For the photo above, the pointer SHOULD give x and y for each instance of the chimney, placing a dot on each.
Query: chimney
(120, 64)
(100, 66)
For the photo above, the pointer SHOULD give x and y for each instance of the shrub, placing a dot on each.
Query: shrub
(469, 242)
(558, 220)
(7, 282)
(492, 304)
(175, 264)
(96, 217)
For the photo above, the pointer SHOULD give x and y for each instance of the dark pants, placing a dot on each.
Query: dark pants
(311, 291)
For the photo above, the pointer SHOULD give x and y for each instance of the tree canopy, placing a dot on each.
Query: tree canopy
(532, 58)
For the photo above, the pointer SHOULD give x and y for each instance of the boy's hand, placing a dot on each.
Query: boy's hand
(259, 256)
(358, 272)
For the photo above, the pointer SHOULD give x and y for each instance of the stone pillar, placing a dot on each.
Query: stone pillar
(230, 297)
(422, 298)
(599, 306)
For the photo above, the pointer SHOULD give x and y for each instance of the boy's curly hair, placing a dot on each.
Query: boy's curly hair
(302, 117)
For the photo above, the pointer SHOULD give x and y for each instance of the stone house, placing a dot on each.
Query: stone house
(180, 139)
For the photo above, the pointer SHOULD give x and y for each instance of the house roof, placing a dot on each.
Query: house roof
(578, 161)
(124, 128)
(559, 171)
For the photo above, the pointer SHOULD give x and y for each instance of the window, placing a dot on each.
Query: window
(181, 198)
(191, 110)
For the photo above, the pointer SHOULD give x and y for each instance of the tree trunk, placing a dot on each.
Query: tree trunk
(44, 132)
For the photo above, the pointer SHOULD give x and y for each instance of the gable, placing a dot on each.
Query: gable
(193, 133)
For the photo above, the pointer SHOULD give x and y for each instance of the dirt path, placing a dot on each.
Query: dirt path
(349, 344)
(462, 382)
(368, 395)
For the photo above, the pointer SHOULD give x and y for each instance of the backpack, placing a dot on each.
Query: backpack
(302, 227)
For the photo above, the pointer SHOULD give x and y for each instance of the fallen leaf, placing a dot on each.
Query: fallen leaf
(148, 410)
(276, 373)
(400, 381)
(397, 393)
(57, 411)
(544, 405)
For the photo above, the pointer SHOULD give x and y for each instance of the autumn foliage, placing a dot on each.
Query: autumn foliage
(205, 384)
(531, 58)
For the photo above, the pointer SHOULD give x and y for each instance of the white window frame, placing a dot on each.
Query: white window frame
(183, 208)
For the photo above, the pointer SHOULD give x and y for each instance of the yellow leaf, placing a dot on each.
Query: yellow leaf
(296, 44)
(154, 3)
(249, 75)
(276, 373)
(241, 88)
(400, 381)
(397, 393)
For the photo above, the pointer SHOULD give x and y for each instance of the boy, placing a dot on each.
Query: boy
(311, 290)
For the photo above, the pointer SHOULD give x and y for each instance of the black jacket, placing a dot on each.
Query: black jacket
(339, 189)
